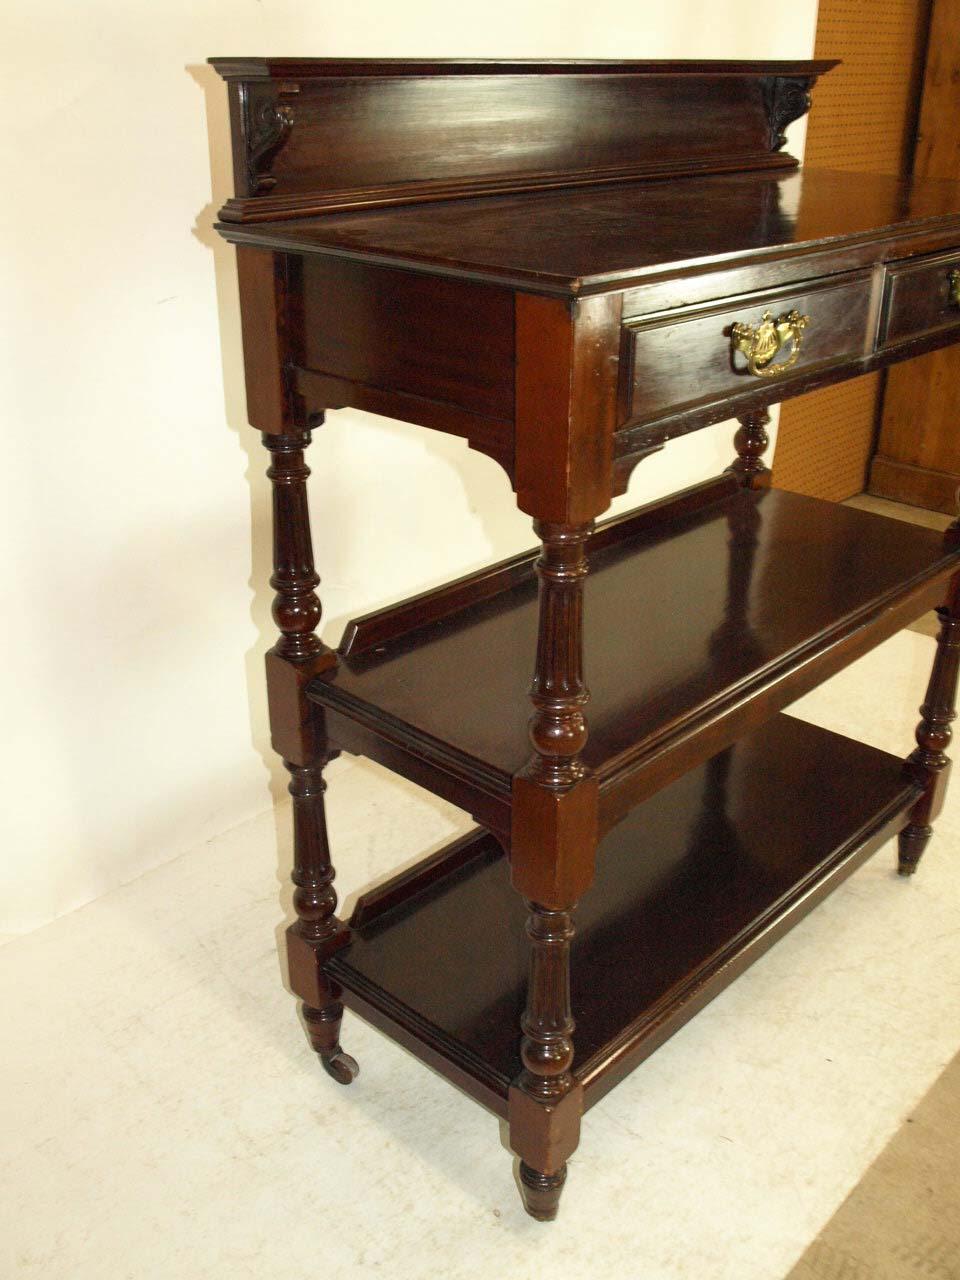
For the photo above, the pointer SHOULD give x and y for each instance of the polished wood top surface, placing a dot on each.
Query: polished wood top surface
(249, 68)
(591, 239)
(676, 619)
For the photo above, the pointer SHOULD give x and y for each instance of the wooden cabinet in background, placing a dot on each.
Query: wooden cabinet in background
(864, 121)
(918, 450)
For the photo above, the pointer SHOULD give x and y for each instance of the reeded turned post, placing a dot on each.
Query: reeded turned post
(314, 898)
(546, 1103)
(296, 607)
(558, 729)
(546, 1049)
(297, 613)
(315, 902)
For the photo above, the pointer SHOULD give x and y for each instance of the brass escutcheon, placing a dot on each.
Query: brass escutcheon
(760, 343)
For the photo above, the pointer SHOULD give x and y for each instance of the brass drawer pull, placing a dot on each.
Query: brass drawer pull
(955, 288)
(760, 343)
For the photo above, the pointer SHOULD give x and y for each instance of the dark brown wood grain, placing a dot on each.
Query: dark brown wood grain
(488, 255)
(394, 621)
(635, 441)
(434, 351)
(311, 136)
(685, 357)
(598, 239)
(695, 885)
(929, 765)
(299, 655)
(429, 871)
(269, 318)
(751, 442)
(913, 485)
(256, 68)
(545, 1102)
(828, 582)
(567, 357)
(297, 733)
(296, 605)
(917, 458)
(919, 296)
(442, 340)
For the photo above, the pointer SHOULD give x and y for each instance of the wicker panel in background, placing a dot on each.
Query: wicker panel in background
(825, 442)
(863, 119)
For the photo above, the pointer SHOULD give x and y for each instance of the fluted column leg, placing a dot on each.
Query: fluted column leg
(546, 1049)
(554, 844)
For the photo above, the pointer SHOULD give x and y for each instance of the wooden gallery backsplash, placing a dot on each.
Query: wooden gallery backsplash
(864, 119)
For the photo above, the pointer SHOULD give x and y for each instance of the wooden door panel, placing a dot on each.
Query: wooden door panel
(918, 451)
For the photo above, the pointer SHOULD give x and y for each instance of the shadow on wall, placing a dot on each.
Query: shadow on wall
(482, 489)
(231, 354)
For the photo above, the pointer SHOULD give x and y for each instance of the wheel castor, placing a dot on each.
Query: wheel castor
(323, 1028)
(340, 1067)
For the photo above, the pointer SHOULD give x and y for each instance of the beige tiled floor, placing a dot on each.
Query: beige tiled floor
(162, 1116)
(900, 511)
(927, 625)
(902, 1220)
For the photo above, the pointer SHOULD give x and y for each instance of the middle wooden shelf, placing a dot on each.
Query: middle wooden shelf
(704, 615)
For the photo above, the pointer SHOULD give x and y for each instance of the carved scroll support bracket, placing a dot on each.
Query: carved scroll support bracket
(786, 99)
(268, 118)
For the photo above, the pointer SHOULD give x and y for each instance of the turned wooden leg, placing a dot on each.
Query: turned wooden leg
(297, 730)
(546, 1051)
(541, 1192)
(315, 902)
(553, 847)
(751, 442)
(929, 763)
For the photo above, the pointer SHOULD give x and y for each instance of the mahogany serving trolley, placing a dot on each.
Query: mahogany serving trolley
(568, 264)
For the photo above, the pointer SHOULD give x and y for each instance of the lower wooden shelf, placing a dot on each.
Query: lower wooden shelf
(693, 886)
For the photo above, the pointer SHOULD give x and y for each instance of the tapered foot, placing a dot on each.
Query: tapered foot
(541, 1191)
(912, 842)
(323, 1028)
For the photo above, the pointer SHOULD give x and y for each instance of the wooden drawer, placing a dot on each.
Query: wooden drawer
(920, 296)
(687, 357)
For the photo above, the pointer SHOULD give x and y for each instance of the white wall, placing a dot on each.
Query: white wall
(133, 504)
